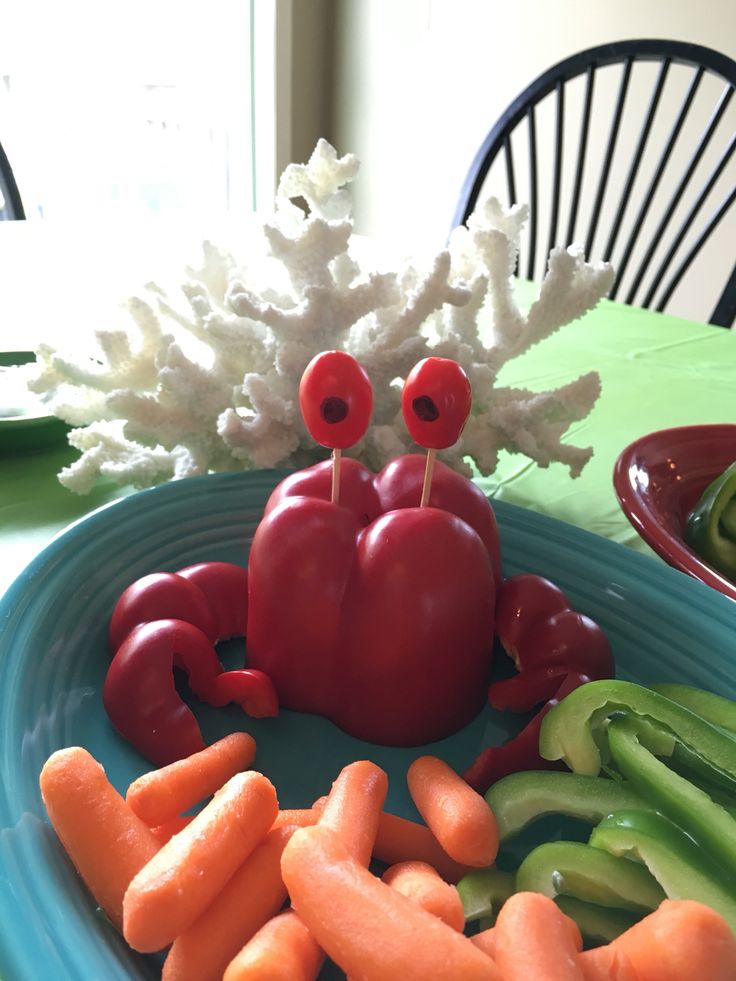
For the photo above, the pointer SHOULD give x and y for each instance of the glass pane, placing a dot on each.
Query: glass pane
(127, 108)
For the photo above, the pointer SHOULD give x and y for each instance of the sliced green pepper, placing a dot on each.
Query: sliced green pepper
(678, 864)
(484, 892)
(520, 798)
(575, 729)
(710, 526)
(632, 742)
(598, 924)
(716, 709)
(573, 869)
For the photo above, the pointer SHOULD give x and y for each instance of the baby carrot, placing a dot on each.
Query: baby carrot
(457, 815)
(162, 794)
(183, 878)
(106, 842)
(681, 940)
(421, 883)
(282, 950)
(534, 939)
(607, 964)
(402, 840)
(353, 806)
(251, 897)
(486, 941)
(301, 817)
(369, 929)
(162, 832)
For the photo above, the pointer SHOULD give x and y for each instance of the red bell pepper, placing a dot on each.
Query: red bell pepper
(521, 752)
(173, 619)
(375, 612)
(546, 639)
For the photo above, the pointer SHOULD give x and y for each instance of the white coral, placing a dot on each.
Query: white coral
(211, 383)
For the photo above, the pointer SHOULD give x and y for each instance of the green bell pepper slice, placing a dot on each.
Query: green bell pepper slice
(521, 798)
(598, 924)
(716, 709)
(633, 743)
(575, 729)
(710, 528)
(678, 863)
(484, 892)
(572, 868)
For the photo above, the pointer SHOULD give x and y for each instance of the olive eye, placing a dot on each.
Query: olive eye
(336, 399)
(436, 402)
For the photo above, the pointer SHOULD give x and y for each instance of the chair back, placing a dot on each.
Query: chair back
(649, 206)
(11, 205)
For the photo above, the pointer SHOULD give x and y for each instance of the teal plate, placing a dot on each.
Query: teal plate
(662, 624)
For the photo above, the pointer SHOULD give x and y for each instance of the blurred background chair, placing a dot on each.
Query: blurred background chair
(640, 175)
(11, 205)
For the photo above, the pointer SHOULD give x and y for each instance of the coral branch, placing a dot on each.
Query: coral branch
(208, 379)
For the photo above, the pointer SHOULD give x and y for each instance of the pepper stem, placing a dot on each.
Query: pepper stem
(428, 471)
(336, 459)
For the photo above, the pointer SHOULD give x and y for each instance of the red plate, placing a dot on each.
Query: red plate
(658, 479)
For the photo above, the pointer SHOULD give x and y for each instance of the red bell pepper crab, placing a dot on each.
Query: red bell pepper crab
(375, 612)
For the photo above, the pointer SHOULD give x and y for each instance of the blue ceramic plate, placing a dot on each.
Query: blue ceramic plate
(662, 624)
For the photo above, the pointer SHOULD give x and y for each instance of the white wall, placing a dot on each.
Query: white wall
(417, 84)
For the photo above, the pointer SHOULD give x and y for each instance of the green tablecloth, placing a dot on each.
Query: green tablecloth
(657, 371)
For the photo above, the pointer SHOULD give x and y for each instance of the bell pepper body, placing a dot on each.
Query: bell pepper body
(710, 527)
(386, 628)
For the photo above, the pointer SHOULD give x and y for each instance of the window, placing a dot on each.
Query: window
(121, 109)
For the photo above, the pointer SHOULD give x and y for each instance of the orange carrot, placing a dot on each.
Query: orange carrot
(106, 842)
(421, 883)
(254, 894)
(534, 939)
(681, 940)
(369, 929)
(402, 840)
(486, 941)
(458, 816)
(162, 794)
(282, 950)
(607, 964)
(162, 832)
(302, 817)
(353, 807)
(183, 878)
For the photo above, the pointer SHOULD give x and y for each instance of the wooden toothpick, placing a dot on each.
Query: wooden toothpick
(428, 471)
(336, 458)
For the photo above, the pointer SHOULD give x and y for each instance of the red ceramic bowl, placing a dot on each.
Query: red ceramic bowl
(658, 479)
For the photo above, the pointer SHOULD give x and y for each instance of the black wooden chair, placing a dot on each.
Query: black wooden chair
(652, 220)
(11, 205)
